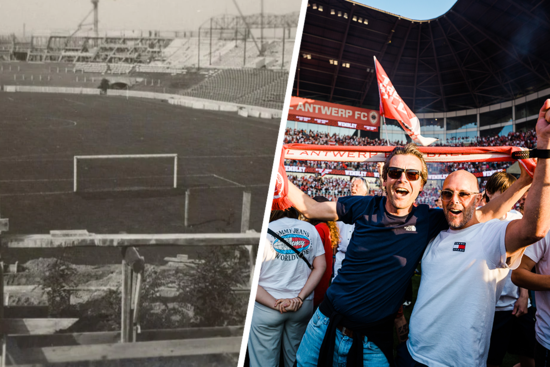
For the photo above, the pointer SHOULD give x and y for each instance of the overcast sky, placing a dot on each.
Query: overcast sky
(126, 14)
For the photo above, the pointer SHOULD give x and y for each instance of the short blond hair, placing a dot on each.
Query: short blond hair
(411, 149)
(499, 181)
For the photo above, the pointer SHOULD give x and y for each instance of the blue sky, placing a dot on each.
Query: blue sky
(414, 9)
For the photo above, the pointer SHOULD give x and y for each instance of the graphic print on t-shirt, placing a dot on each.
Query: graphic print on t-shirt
(298, 238)
(459, 246)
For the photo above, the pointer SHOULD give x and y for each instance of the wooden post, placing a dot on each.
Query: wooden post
(75, 173)
(125, 311)
(186, 209)
(3, 341)
(2, 336)
(175, 172)
(136, 300)
(245, 216)
(252, 254)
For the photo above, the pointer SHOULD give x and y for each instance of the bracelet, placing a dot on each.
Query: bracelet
(300, 298)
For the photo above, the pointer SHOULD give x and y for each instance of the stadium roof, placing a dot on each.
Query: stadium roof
(479, 53)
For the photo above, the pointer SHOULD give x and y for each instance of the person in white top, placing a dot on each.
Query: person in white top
(514, 323)
(359, 187)
(464, 268)
(284, 300)
(538, 256)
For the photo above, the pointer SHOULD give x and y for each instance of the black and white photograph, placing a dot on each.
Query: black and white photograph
(136, 148)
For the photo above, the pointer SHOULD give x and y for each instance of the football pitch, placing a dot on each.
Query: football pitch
(220, 155)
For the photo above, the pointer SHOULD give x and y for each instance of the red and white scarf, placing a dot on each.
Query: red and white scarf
(327, 153)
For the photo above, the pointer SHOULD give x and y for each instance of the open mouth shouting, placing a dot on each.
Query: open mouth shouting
(455, 212)
(401, 192)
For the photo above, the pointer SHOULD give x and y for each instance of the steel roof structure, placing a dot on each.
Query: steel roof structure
(479, 53)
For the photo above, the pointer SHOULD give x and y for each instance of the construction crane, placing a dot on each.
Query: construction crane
(95, 23)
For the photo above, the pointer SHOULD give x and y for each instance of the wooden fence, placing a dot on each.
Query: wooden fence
(28, 336)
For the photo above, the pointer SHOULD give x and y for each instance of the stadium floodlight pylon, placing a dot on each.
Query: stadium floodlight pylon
(123, 156)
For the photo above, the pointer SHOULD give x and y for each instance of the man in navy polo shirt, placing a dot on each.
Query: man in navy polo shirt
(354, 324)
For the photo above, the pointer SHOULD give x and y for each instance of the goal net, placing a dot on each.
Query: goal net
(125, 172)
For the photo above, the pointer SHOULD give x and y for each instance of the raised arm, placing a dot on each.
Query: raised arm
(523, 277)
(309, 207)
(536, 218)
(502, 204)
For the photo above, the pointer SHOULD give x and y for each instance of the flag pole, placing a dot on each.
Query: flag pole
(385, 129)
(383, 117)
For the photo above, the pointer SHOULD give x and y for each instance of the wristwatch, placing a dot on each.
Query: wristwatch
(534, 153)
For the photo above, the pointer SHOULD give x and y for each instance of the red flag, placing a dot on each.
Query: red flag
(393, 107)
(280, 200)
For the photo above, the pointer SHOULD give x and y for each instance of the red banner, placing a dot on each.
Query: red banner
(332, 114)
(393, 107)
(310, 152)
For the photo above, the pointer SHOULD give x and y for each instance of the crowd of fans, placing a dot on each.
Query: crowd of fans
(429, 196)
(519, 139)
(351, 166)
(330, 187)
(433, 168)
(472, 167)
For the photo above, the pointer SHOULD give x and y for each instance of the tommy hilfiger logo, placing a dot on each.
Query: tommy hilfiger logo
(459, 246)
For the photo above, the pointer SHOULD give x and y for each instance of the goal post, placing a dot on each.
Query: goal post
(123, 156)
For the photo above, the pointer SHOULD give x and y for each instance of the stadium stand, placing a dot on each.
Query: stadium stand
(525, 139)
(252, 87)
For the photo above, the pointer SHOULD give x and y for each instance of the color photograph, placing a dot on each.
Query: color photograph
(409, 193)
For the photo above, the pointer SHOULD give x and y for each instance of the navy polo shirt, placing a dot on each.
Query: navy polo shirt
(381, 257)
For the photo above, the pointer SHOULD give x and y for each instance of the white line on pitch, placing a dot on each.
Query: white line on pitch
(225, 186)
(38, 193)
(225, 179)
(101, 178)
(44, 159)
(92, 192)
(227, 156)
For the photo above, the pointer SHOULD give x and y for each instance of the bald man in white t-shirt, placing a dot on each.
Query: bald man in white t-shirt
(464, 269)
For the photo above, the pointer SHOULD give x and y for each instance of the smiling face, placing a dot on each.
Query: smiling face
(401, 193)
(460, 212)
(358, 187)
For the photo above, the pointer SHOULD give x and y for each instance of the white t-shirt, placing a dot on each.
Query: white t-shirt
(540, 253)
(283, 273)
(346, 231)
(510, 293)
(463, 274)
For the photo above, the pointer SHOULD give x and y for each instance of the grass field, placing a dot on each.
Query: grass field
(220, 156)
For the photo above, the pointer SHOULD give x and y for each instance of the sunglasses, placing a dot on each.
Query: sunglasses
(411, 174)
(463, 196)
